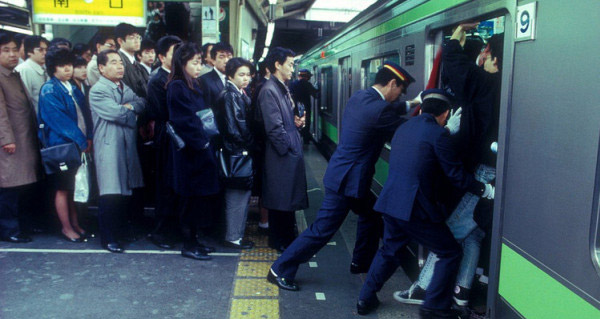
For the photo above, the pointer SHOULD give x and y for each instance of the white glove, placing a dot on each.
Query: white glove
(453, 125)
(489, 192)
(418, 98)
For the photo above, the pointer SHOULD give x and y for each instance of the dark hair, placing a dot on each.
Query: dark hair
(164, 43)
(101, 39)
(58, 56)
(80, 48)
(79, 61)
(384, 75)
(234, 64)
(205, 51)
(19, 38)
(60, 41)
(6, 38)
(147, 44)
(262, 69)
(122, 30)
(221, 46)
(277, 54)
(434, 106)
(496, 43)
(32, 42)
(103, 56)
(183, 54)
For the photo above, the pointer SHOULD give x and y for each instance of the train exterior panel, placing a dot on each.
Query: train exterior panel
(545, 239)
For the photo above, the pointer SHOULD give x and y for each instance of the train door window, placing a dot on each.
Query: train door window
(370, 67)
(327, 90)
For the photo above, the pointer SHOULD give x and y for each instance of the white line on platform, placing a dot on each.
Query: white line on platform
(313, 264)
(102, 251)
(313, 190)
(320, 295)
(331, 243)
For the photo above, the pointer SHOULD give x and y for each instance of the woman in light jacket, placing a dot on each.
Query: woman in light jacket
(61, 110)
(193, 169)
(233, 107)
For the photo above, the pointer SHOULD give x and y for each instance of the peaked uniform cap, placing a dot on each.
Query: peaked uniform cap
(436, 94)
(399, 72)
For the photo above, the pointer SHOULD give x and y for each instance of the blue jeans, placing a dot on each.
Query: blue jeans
(466, 233)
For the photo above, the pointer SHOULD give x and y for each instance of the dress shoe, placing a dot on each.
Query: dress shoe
(80, 239)
(195, 253)
(244, 244)
(428, 313)
(364, 307)
(114, 247)
(281, 282)
(86, 234)
(20, 238)
(206, 249)
(160, 242)
(358, 269)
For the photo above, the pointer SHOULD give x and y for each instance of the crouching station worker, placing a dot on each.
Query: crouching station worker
(370, 118)
(421, 156)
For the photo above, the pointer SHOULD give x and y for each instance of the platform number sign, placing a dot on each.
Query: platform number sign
(526, 22)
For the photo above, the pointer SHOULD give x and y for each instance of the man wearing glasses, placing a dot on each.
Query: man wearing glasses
(32, 71)
(129, 41)
(102, 42)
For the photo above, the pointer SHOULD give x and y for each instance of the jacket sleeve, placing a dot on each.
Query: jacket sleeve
(459, 70)
(54, 114)
(235, 121)
(273, 122)
(389, 119)
(453, 167)
(7, 135)
(182, 114)
(103, 104)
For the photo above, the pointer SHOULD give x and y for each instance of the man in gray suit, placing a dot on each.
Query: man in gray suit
(114, 110)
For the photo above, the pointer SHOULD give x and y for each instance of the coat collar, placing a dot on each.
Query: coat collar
(279, 84)
(34, 66)
(6, 72)
(109, 83)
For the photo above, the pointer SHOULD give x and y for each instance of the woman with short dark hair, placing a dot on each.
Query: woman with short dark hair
(60, 110)
(194, 168)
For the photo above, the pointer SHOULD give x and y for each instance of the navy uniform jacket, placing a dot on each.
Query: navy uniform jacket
(368, 122)
(212, 87)
(421, 155)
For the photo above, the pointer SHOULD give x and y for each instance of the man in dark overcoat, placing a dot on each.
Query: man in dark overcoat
(370, 118)
(158, 112)
(421, 156)
(284, 182)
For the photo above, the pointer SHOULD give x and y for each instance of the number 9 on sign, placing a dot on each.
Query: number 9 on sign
(526, 22)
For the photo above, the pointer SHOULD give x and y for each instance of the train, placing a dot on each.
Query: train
(544, 248)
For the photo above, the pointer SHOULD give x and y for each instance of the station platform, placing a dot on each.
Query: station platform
(52, 278)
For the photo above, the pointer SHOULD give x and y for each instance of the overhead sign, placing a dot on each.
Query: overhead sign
(90, 12)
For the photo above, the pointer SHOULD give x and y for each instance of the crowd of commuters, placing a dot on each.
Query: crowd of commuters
(188, 124)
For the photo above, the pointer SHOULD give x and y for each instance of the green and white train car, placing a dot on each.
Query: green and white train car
(545, 243)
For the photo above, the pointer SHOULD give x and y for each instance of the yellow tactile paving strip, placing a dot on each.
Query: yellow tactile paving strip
(253, 295)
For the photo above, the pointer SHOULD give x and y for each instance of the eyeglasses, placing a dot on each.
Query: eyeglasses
(40, 49)
(109, 45)
(133, 37)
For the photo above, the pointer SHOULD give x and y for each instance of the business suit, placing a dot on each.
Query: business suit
(421, 156)
(368, 123)
(212, 85)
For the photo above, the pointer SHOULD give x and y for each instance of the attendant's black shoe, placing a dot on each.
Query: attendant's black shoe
(358, 269)
(113, 247)
(364, 307)
(20, 238)
(244, 244)
(428, 313)
(281, 282)
(195, 253)
(160, 242)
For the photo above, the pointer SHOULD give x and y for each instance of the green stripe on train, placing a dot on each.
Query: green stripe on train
(535, 294)
(381, 171)
(330, 131)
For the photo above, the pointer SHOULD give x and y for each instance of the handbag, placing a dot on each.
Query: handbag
(82, 181)
(236, 170)
(58, 158)
(208, 122)
(176, 139)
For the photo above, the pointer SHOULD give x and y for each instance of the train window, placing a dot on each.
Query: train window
(327, 90)
(370, 68)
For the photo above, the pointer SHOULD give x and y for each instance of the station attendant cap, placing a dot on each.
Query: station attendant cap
(399, 72)
(436, 94)
(304, 71)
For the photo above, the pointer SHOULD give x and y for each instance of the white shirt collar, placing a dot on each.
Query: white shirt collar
(166, 70)
(149, 69)
(221, 75)
(67, 85)
(381, 94)
(129, 56)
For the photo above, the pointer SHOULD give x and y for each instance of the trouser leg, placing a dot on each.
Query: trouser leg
(330, 217)
(110, 217)
(471, 249)
(236, 211)
(282, 227)
(369, 230)
(9, 212)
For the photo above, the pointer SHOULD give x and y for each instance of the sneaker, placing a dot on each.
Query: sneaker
(415, 295)
(461, 296)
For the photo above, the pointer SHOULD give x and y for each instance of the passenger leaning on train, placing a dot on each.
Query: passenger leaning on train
(194, 176)
(477, 89)
(422, 156)
(63, 111)
(232, 115)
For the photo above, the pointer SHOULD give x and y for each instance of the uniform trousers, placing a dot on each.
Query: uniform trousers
(333, 212)
(437, 238)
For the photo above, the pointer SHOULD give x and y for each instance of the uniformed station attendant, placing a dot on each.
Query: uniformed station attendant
(370, 119)
(421, 156)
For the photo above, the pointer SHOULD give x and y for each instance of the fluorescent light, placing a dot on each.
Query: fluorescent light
(270, 31)
(265, 52)
(272, 1)
(18, 30)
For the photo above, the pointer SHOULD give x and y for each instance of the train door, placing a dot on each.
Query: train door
(345, 88)
(316, 106)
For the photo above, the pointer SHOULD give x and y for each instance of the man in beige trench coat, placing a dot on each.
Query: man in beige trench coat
(19, 147)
